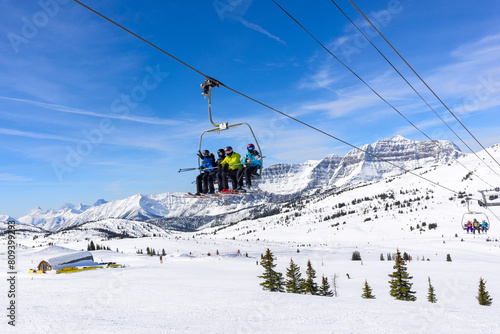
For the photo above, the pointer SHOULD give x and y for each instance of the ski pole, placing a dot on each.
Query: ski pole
(186, 169)
(191, 169)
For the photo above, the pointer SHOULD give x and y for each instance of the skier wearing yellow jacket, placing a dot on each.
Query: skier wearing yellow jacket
(230, 166)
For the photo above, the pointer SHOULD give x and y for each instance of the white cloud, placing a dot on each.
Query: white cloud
(70, 110)
(35, 135)
(258, 28)
(11, 177)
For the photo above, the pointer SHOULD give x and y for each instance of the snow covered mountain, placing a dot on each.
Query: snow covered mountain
(137, 207)
(21, 229)
(280, 182)
(5, 218)
(359, 165)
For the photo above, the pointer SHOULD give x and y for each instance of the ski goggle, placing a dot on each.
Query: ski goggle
(229, 152)
(250, 148)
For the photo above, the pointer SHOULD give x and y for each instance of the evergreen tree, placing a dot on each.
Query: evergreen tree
(309, 285)
(431, 296)
(294, 282)
(273, 280)
(400, 282)
(483, 296)
(324, 289)
(382, 257)
(448, 257)
(356, 256)
(91, 246)
(367, 291)
(389, 258)
(148, 251)
(163, 252)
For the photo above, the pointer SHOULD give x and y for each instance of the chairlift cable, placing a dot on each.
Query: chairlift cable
(421, 97)
(265, 105)
(366, 84)
(423, 81)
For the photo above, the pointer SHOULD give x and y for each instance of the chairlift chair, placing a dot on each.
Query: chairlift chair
(471, 215)
(219, 127)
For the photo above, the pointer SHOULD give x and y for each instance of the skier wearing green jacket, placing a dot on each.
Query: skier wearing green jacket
(231, 164)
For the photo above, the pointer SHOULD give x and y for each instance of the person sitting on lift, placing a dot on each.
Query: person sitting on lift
(218, 173)
(204, 181)
(230, 166)
(251, 163)
(469, 226)
(484, 226)
(475, 226)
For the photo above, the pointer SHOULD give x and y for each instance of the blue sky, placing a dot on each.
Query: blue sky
(88, 111)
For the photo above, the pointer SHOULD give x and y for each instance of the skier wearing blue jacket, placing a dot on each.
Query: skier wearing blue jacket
(205, 181)
(251, 163)
(484, 226)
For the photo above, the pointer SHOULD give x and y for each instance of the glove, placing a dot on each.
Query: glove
(200, 155)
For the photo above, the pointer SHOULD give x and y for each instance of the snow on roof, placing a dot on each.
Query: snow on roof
(72, 260)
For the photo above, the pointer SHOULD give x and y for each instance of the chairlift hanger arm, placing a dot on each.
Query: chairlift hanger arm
(207, 86)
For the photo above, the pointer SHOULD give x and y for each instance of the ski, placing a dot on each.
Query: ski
(191, 195)
(237, 193)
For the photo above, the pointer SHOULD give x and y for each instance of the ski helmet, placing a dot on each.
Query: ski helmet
(221, 153)
(228, 150)
(206, 153)
(250, 147)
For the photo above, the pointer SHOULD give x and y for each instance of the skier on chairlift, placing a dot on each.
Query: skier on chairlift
(484, 226)
(218, 172)
(230, 166)
(251, 163)
(475, 226)
(469, 226)
(205, 181)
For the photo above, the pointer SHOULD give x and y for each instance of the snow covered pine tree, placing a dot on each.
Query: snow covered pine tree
(400, 282)
(273, 280)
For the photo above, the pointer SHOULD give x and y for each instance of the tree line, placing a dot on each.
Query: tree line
(400, 282)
